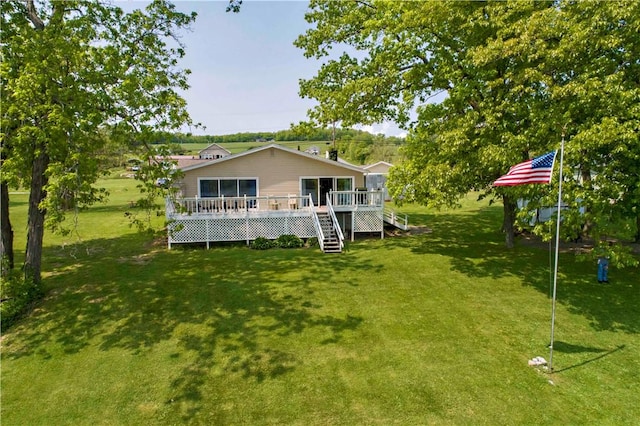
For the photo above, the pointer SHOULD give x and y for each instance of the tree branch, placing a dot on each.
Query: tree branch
(365, 4)
(32, 15)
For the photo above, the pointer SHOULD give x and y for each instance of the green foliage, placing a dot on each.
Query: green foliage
(81, 80)
(17, 295)
(312, 242)
(262, 243)
(289, 241)
(517, 75)
(283, 241)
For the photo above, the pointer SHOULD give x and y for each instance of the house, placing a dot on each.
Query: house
(271, 191)
(377, 177)
(213, 152)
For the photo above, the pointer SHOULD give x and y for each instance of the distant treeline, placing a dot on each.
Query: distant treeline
(318, 134)
(356, 146)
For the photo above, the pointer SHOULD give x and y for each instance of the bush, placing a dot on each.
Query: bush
(312, 242)
(17, 296)
(262, 243)
(289, 241)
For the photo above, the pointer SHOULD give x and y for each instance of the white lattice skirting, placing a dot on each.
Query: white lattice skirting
(367, 221)
(202, 230)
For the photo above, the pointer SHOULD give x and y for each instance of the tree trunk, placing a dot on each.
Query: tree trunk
(35, 220)
(509, 208)
(637, 238)
(587, 226)
(6, 231)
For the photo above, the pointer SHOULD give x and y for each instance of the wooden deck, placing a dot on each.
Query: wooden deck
(205, 220)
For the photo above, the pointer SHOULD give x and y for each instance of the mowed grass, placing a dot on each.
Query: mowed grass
(431, 328)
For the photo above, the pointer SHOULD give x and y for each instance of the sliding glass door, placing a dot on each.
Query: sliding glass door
(319, 187)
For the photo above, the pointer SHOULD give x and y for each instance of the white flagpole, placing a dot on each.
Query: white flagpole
(555, 272)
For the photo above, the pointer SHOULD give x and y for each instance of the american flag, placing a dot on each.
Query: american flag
(537, 170)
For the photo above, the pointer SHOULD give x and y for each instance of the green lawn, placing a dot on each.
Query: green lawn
(435, 328)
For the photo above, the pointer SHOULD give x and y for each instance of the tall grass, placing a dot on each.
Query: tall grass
(431, 328)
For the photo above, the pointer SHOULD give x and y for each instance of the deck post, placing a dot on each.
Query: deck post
(353, 226)
(246, 218)
(246, 226)
(206, 227)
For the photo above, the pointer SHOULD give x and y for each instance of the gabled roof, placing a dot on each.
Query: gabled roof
(273, 146)
(182, 161)
(215, 145)
(379, 163)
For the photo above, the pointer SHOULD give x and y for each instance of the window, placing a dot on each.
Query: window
(209, 188)
(228, 187)
(310, 186)
(343, 184)
(248, 187)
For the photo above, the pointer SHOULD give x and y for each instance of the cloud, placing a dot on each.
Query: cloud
(386, 128)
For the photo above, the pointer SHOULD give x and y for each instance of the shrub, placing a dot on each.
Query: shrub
(312, 242)
(289, 241)
(17, 296)
(262, 243)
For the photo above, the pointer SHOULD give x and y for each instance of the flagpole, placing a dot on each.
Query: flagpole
(555, 272)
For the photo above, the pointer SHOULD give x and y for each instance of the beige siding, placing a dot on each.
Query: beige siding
(278, 171)
(379, 168)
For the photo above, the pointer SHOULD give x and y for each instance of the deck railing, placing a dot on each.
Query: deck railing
(396, 219)
(355, 199)
(317, 226)
(245, 204)
(334, 221)
(340, 200)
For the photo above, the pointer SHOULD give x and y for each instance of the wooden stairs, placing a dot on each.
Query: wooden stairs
(331, 242)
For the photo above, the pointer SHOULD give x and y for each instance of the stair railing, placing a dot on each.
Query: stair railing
(334, 222)
(398, 220)
(316, 223)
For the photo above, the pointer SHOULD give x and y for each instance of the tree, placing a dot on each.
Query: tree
(514, 73)
(73, 72)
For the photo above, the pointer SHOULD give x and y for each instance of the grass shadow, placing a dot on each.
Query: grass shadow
(568, 348)
(225, 308)
(472, 243)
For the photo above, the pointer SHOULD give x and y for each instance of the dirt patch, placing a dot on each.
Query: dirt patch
(161, 241)
(141, 259)
(413, 230)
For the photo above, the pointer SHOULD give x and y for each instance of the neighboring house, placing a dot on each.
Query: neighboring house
(377, 177)
(544, 214)
(271, 191)
(213, 152)
(181, 161)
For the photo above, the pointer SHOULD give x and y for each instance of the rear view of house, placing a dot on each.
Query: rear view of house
(271, 191)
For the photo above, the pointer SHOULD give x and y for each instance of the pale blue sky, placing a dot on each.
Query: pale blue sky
(245, 68)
